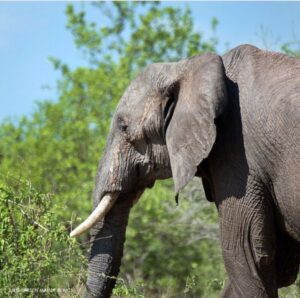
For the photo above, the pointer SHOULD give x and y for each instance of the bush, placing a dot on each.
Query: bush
(37, 257)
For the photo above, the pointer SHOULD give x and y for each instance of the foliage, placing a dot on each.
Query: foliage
(35, 251)
(291, 291)
(292, 48)
(137, 34)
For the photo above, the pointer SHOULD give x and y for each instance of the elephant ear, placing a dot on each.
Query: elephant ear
(198, 98)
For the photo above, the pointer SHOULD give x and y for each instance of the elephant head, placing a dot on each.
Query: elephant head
(164, 126)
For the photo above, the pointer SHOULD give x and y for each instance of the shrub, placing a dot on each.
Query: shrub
(37, 257)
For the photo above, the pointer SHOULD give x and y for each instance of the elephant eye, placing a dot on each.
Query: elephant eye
(122, 124)
(124, 127)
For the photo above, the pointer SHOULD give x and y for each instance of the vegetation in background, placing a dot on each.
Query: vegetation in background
(52, 156)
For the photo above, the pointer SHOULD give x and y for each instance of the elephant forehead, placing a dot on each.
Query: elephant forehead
(137, 98)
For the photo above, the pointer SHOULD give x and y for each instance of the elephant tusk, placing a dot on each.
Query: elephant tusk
(99, 213)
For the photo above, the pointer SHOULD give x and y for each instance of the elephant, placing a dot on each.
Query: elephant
(233, 121)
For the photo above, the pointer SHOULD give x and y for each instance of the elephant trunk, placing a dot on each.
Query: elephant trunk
(108, 237)
(114, 193)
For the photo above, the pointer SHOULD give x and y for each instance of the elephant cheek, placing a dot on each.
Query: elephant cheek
(119, 165)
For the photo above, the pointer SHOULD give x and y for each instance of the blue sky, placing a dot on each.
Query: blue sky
(30, 32)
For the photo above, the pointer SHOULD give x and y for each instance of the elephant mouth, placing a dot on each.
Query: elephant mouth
(99, 213)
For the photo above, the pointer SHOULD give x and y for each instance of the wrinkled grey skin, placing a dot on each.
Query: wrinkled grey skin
(235, 122)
